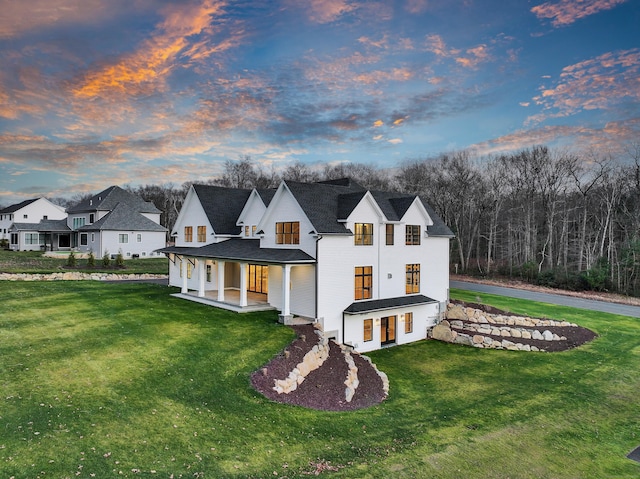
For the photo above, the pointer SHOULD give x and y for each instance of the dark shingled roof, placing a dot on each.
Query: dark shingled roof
(238, 249)
(121, 218)
(387, 303)
(108, 199)
(223, 206)
(58, 226)
(321, 203)
(438, 228)
(17, 206)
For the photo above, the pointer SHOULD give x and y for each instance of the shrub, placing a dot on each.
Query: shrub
(91, 260)
(120, 260)
(72, 261)
(106, 260)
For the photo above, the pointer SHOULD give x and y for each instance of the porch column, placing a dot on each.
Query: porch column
(286, 292)
(243, 285)
(220, 280)
(183, 273)
(201, 275)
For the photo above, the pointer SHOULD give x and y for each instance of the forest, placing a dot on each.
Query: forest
(546, 216)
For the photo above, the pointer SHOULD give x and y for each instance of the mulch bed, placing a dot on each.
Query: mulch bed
(576, 335)
(323, 388)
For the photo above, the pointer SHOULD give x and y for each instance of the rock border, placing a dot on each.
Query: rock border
(79, 276)
(482, 326)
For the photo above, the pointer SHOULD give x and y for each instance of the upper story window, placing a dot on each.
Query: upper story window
(389, 231)
(123, 238)
(91, 218)
(253, 230)
(78, 223)
(246, 230)
(45, 217)
(412, 278)
(25, 216)
(202, 234)
(413, 235)
(363, 234)
(188, 234)
(363, 282)
(288, 232)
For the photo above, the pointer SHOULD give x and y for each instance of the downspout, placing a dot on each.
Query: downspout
(318, 238)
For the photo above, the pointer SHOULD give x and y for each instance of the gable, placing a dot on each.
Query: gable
(222, 207)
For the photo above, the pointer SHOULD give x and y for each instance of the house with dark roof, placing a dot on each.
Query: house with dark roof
(116, 221)
(33, 225)
(371, 268)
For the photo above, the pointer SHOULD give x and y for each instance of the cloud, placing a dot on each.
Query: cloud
(474, 57)
(144, 71)
(326, 11)
(567, 12)
(471, 58)
(600, 83)
(435, 44)
(416, 6)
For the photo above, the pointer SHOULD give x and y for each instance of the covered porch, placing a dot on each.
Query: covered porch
(239, 276)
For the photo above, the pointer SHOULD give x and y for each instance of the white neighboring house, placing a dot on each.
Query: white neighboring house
(114, 221)
(371, 267)
(33, 225)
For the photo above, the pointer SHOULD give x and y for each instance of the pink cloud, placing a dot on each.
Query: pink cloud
(566, 12)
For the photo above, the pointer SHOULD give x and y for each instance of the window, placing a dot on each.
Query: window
(139, 238)
(84, 239)
(91, 218)
(253, 230)
(368, 329)
(413, 234)
(408, 323)
(209, 273)
(288, 232)
(363, 234)
(78, 223)
(93, 237)
(389, 234)
(258, 278)
(34, 238)
(14, 238)
(246, 230)
(202, 234)
(189, 269)
(45, 217)
(188, 234)
(123, 238)
(413, 278)
(363, 282)
(25, 216)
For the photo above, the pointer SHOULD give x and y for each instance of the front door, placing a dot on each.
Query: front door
(388, 330)
(258, 278)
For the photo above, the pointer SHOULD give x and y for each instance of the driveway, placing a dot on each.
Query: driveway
(591, 304)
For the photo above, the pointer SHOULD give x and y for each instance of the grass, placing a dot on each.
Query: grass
(36, 262)
(105, 380)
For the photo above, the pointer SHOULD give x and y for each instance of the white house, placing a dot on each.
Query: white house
(115, 221)
(34, 224)
(371, 267)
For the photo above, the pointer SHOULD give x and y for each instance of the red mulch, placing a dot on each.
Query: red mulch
(324, 388)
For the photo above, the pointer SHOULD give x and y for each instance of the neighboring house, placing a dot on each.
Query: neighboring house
(34, 225)
(115, 221)
(371, 267)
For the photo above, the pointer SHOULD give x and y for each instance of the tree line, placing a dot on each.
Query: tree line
(546, 216)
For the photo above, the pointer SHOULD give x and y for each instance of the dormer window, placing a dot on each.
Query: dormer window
(288, 232)
(363, 234)
(91, 218)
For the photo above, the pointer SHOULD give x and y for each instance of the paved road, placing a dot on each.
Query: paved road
(560, 299)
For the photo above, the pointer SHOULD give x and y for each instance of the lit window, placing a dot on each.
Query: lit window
(363, 234)
(288, 232)
(202, 234)
(413, 235)
(408, 322)
(188, 234)
(368, 329)
(253, 230)
(389, 234)
(413, 278)
(246, 230)
(363, 282)
(189, 269)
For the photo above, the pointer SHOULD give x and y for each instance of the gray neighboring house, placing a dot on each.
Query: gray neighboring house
(115, 221)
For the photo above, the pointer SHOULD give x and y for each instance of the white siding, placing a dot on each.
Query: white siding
(192, 214)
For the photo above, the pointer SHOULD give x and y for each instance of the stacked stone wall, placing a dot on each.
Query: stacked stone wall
(79, 276)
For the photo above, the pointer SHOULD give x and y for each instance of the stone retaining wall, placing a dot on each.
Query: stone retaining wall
(78, 276)
(477, 328)
(310, 362)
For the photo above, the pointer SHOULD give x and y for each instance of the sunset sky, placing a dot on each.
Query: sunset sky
(101, 92)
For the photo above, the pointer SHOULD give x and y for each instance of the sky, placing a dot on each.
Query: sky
(95, 93)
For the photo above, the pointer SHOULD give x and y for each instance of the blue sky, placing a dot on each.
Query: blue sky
(102, 92)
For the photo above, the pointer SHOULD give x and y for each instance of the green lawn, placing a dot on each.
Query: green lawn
(105, 380)
(36, 262)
